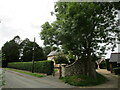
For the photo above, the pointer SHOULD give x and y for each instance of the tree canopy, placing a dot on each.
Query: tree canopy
(17, 50)
(85, 29)
(10, 51)
(26, 48)
(82, 27)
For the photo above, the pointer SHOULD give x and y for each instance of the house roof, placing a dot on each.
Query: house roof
(53, 53)
(115, 57)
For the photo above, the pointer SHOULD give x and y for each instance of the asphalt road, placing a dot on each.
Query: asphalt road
(18, 80)
(1, 75)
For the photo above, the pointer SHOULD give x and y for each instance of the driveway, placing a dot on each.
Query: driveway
(18, 80)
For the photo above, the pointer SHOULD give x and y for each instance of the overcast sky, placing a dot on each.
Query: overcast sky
(24, 18)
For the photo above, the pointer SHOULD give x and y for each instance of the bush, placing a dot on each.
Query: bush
(116, 70)
(4, 63)
(71, 61)
(61, 60)
(103, 65)
(46, 67)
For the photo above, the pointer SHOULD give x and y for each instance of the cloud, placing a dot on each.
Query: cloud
(24, 18)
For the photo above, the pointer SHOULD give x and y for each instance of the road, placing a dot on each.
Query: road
(1, 75)
(18, 80)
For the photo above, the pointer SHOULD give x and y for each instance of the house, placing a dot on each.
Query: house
(114, 61)
(51, 55)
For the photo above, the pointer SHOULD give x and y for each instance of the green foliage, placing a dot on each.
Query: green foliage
(82, 27)
(103, 65)
(55, 70)
(116, 70)
(4, 63)
(71, 58)
(44, 67)
(26, 48)
(61, 60)
(47, 34)
(83, 80)
(39, 67)
(10, 51)
(27, 72)
(86, 29)
(71, 61)
(21, 65)
(47, 50)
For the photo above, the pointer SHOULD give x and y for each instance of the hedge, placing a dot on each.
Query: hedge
(46, 67)
(4, 63)
(116, 70)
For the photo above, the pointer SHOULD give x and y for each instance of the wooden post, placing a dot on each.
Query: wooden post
(111, 70)
(33, 56)
(60, 72)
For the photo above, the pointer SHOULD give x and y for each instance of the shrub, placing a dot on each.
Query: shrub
(4, 63)
(71, 61)
(61, 60)
(103, 65)
(46, 67)
(116, 70)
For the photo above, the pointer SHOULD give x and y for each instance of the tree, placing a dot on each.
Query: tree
(26, 48)
(49, 33)
(17, 39)
(48, 49)
(81, 28)
(10, 51)
(61, 60)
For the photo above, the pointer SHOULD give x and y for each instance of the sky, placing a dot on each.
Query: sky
(24, 18)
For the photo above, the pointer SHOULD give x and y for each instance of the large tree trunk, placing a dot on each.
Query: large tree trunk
(92, 70)
(85, 67)
(89, 68)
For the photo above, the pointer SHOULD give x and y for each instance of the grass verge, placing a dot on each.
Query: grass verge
(83, 80)
(55, 70)
(26, 72)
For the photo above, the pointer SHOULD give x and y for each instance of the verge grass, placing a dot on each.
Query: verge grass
(27, 72)
(83, 80)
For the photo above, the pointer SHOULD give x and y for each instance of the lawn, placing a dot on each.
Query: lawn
(83, 80)
(27, 72)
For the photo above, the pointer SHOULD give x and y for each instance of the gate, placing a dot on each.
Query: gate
(57, 70)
